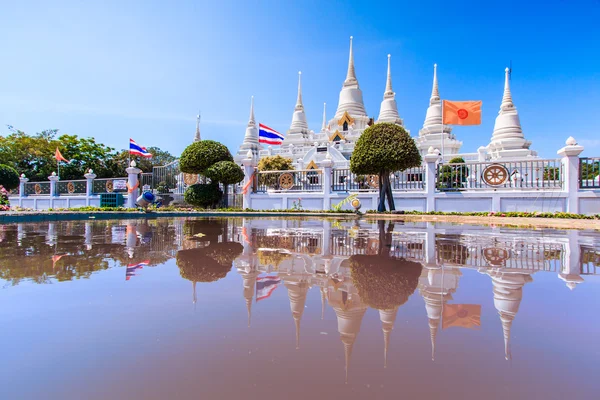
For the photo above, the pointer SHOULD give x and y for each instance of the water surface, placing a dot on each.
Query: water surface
(297, 309)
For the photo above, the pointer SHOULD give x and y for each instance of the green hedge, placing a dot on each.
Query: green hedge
(203, 195)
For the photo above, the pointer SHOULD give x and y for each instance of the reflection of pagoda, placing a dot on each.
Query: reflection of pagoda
(388, 318)
(436, 285)
(349, 310)
(297, 292)
(508, 293)
(249, 282)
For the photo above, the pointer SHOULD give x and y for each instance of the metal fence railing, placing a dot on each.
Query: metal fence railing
(534, 174)
(109, 185)
(410, 179)
(37, 188)
(308, 180)
(343, 180)
(72, 187)
(589, 172)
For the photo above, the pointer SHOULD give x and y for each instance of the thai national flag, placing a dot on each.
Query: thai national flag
(136, 149)
(265, 285)
(268, 135)
(131, 268)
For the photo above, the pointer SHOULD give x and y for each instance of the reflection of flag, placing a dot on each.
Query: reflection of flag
(131, 268)
(462, 112)
(245, 235)
(265, 285)
(461, 315)
(55, 259)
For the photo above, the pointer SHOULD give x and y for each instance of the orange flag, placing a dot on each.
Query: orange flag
(462, 112)
(59, 157)
(461, 315)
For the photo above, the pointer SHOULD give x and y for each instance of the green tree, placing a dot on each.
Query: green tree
(203, 195)
(198, 156)
(9, 178)
(159, 158)
(225, 172)
(382, 149)
(275, 163)
(453, 176)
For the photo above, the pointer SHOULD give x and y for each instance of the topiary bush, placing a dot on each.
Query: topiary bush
(203, 195)
(198, 156)
(384, 283)
(226, 172)
(9, 177)
(382, 149)
(453, 177)
(275, 163)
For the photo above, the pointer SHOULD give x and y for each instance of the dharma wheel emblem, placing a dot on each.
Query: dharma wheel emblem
(496, 257)
(109, 186)
(495, 175)
(286, 181)
(190, 179)
(37, 188)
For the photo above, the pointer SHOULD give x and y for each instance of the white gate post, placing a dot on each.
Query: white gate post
(326, 166)
(570, 161)
(89, 187)
(249, 164)
(430, 169)
(53, 180)
(132, 179)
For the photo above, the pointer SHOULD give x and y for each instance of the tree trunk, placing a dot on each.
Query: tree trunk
(381, 206)
(388, 192)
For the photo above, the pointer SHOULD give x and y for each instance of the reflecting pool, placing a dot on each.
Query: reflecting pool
(297, 308)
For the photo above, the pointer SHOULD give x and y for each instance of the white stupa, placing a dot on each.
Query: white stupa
(250, 139)
(388, 112)
(430, 134)
(351, 98)
(508, 141)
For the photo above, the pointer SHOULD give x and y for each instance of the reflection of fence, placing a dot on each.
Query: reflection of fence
(310, 180)
(590, 261)
(346, 245)
(534, 174)
(589, 172)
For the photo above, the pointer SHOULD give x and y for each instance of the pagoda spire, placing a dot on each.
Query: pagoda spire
(435, 92)
(251, 121)
(433, 329)
(299, 105)
(507, 101)
(197, 137)
(351, 75)
(249, 308)
(323, 300)
(324, 125)
(506, 320)
(389, 92)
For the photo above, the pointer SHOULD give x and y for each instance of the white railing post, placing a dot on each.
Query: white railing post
(53, 181)
(22, 181)
(570, 161)
(89, 187)
(430, 171)
(570, 271)
(249, 164)
(326, 166)
(132, 179)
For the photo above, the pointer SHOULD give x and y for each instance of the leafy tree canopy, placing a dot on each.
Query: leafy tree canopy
(198, 156)
(275, 163)
(384, 148)
(226, 172)
(9, 178)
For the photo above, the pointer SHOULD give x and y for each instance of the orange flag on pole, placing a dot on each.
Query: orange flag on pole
(461, 315)
(461, 112)
(59, 157)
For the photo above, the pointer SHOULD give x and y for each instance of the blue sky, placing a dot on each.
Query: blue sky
(142, 69)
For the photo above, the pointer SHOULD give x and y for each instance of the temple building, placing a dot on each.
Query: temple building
(336, 138)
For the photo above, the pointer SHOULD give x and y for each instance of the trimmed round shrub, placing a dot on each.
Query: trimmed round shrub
(203, 195)
(198, 156)
(384, 283)
(275, 163)
(226, 172)
(383, 148)
(9, 177)
(194, 265)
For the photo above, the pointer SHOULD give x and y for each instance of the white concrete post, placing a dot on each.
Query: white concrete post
(133, 190)
(571, 270)
(326, 166)
(430, 170)
(481, 154)
(570, 162)
(89, 188)
(249, 164)
(53, 180)
(22, 181)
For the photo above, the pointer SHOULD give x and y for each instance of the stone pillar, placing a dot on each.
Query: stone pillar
(570, 162)
(53, 180)
(481, 154)
(132, 179)
(22, 181)
(89, 188)
(249, 164)
(326, 166)
(430, 171)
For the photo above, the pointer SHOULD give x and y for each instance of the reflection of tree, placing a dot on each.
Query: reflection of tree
(384, 282)
(212, 261)
(272, 257)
